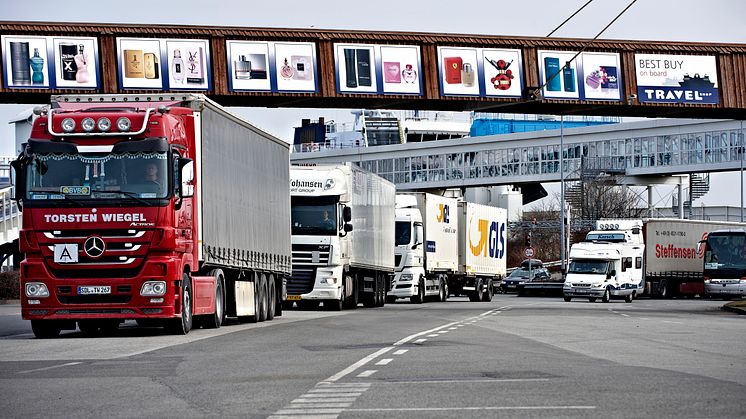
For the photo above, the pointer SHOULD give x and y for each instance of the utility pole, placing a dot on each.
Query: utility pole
(562, 193)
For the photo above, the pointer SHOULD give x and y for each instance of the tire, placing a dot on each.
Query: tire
(183, 324)
(337, 305)
(478, 293)
(628, 298)
(567, 299)
(271, 297)
(592, 299)
(262, 312)
(215, 320)
(442, 290)
(420, 297)
(45, 329)
(665, 289)
(607, 296)
(487, 297)
(351, 302)
(279, 304)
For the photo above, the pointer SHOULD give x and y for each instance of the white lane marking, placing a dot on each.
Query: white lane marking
(452, 328)
(416, 335)
(446, 409)
(308, 411)
(324, 384)
(367, 373)
(330, 395)
(419, 341)
(384, 361)
(485, 380)
(358, 364)
(624, 315)
(339, 400)
(434, 335)
(320, 404)
(50, 368)
(337, 390)
(303, 417)
(672, 322)
(401, 352)
(459, 325)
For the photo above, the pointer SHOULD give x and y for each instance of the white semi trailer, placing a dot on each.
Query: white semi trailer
(342, 236)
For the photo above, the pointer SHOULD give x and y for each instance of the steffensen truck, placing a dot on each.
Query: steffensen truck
(426, 252)
(342, 237)
(445, 246)
(673, 264)
(171, 212)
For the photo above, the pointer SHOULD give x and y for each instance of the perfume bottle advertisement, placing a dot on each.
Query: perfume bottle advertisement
(187, 64)
(295, 66)
(356, 68)
(134, 71)
(401, 69)
(676, 78)
(503, 72)
(249, 66)
(601, 76)
(559, 81)
(75, 62)
(26, 62)
(458, 69)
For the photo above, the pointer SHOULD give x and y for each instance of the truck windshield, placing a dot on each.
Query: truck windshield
(140, 175)
(403, 233)
(313, 218)
(586, 266)
(726, 251)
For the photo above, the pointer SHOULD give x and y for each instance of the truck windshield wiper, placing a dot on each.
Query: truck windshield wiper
(130, 194)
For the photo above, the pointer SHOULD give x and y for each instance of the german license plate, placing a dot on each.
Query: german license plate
(583, 291)
(293, 297)
(103, 289)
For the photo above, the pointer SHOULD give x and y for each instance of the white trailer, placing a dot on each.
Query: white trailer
(342, 236)
(608, 263)
(426, 251)
(482, 242)
(673, 265)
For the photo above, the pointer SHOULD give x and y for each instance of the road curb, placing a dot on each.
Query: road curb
(734, 309)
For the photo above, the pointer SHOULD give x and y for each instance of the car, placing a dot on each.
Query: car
(516, 281)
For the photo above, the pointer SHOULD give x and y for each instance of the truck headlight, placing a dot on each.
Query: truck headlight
(405, 277)
(153, 288)
(36, 290)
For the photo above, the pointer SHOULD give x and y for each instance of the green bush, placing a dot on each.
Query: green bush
(10, 285)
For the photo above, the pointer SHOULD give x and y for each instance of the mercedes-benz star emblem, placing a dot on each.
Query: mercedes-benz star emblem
(94, 246)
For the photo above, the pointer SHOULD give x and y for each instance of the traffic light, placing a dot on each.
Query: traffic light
(528, 240)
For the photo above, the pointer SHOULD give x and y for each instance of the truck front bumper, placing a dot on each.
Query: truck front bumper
(403, 286)
(327, 285)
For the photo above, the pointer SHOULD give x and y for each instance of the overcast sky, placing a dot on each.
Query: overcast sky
(664, 20)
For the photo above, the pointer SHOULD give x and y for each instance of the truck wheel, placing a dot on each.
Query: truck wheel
(568, 299)
(45, 329)
(628, 298)
(478, 293)
(215, 320)
(665, 289)
(183, 325)
(420, 297)
(262, 310)
(607, 295)
(271, 297)
(487, 297)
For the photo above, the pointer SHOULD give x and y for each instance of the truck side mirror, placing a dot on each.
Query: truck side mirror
(347, 214)
(18, 179)
(186, 167)
(347, 228)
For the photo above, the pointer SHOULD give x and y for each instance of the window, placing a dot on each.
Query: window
(638, 263)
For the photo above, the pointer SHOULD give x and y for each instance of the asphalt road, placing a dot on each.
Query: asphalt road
(513, 357)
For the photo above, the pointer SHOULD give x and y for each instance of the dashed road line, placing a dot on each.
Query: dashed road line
(401, 351)
(384, 361)
(420, 341)
(367, 373)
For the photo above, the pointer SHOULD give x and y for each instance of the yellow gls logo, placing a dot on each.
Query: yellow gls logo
(443, 214)
(491, 238)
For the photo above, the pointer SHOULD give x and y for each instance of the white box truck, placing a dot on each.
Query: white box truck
(483, 238)
(426, 252)
(608, 263)
(673, 266)
(342, 236)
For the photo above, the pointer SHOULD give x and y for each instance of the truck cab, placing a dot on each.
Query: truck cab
(608, 264)
(409, 250)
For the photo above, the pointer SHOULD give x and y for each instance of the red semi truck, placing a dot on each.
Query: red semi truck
(167, 210)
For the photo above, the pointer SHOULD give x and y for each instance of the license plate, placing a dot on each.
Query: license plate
(103, 289)
(293, 297)
(583, 291)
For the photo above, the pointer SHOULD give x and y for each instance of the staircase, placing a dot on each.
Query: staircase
(699, 185)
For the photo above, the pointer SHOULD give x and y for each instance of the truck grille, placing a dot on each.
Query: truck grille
(306, 258)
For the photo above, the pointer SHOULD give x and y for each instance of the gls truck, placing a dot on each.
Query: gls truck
(172, 213)
(342, 236)
(447, 246)
(426, 252)
(608, 263)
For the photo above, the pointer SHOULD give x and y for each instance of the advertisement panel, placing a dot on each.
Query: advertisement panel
(164, 64)
(485, 72)
(378, 69)
(590, 76)
(50, 62)
(271, 66)
(676, 78)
